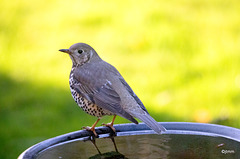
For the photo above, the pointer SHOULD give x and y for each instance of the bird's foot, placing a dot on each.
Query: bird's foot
(92, 129)
(110, 125)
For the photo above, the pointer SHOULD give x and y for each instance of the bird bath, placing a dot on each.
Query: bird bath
(182, 140)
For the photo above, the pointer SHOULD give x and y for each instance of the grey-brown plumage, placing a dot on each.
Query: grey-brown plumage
(99, 89)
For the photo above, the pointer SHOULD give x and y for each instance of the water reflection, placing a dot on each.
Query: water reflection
(146, 146)
(113, 154)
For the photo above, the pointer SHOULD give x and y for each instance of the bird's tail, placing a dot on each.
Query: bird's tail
(151, 123)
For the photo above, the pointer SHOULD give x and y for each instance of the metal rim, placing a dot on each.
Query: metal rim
(133, 129)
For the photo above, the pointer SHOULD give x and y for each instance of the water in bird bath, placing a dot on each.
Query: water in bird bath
(146, 146)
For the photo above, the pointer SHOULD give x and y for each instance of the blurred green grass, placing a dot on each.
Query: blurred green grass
(180, 57)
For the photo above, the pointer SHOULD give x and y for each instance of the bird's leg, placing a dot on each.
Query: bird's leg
(92, 128)
(111, 124)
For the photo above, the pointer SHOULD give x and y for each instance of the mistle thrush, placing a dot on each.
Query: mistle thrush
(99, 89)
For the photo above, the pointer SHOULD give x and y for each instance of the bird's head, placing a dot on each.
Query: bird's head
(81, 53)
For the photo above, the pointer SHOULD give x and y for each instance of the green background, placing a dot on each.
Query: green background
(181, 57)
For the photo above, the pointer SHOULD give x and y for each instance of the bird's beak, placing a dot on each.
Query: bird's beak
(65, 50)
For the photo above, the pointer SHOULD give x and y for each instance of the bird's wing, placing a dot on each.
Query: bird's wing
(133, 94)
(100, 92)
(112, 69)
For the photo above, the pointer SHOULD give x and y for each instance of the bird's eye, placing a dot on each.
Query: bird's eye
(80, 51)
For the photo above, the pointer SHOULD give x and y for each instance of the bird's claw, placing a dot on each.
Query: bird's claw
(92, 129)
(110, 125)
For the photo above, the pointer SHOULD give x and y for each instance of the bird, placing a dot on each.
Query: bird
(99, 89)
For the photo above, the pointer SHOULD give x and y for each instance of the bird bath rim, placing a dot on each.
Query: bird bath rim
(186, 128)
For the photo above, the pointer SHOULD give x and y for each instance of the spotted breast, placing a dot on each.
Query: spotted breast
(87, 106)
